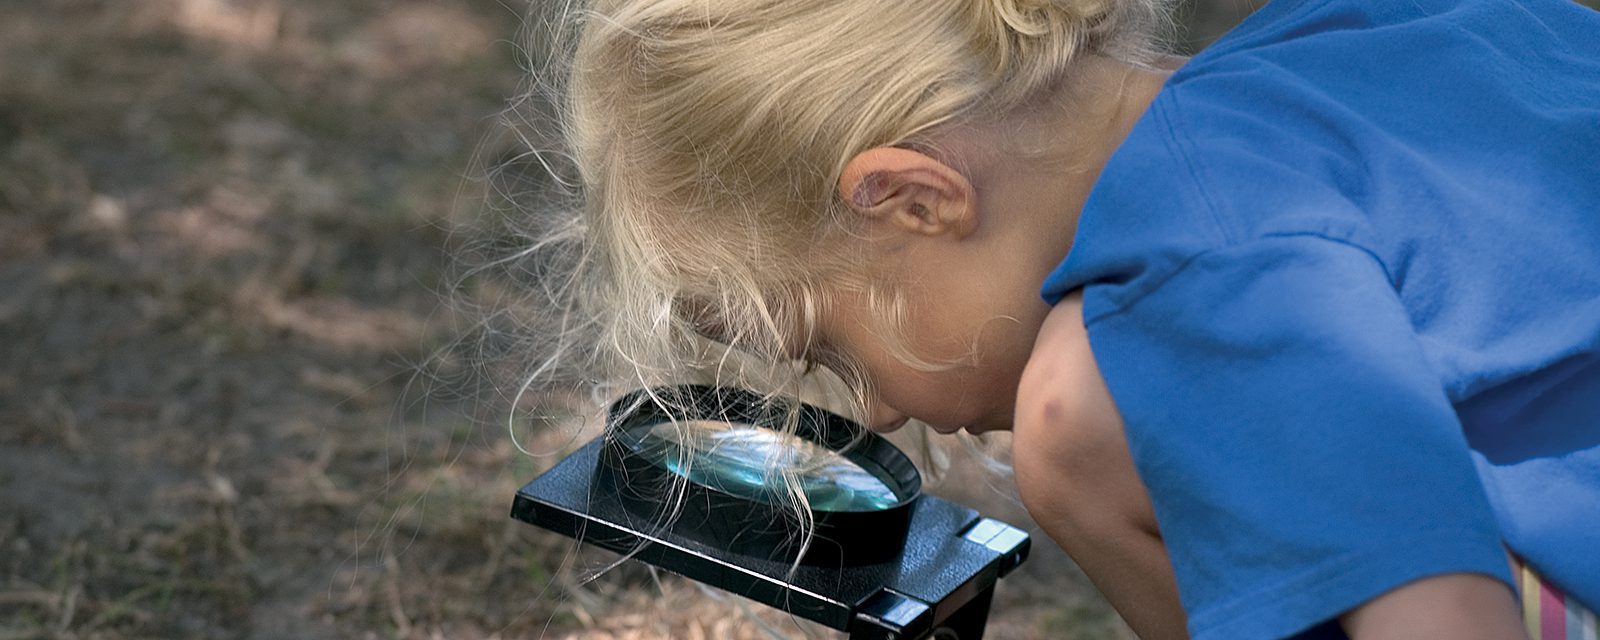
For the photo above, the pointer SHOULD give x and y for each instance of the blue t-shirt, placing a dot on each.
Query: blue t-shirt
(1343, 282)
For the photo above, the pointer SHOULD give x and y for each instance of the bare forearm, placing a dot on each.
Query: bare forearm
(1092, 504)
(1134, 575)
(1457, 606)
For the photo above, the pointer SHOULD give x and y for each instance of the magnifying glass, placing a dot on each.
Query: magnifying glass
(684, 480)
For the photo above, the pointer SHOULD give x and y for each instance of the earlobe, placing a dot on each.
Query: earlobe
(910, 191)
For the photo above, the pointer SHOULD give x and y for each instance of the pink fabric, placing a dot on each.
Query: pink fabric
(1552, 613)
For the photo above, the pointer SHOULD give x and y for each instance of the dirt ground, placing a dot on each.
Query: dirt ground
(225, 228)
(232, 404)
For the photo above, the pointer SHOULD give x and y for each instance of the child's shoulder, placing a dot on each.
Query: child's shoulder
(1324, 104)
(1310, 27)
(1353, 122)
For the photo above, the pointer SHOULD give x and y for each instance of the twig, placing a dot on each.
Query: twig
(391, 589)
(69, 608)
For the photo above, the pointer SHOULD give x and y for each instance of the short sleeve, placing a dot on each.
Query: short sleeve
(1301, 454)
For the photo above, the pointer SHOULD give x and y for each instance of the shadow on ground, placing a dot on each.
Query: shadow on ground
(229, 402)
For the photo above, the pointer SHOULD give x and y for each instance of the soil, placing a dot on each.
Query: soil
(232, 404)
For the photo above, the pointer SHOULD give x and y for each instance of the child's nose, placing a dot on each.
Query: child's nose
(882, 418)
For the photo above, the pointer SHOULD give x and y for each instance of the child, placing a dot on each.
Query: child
(1319, 337)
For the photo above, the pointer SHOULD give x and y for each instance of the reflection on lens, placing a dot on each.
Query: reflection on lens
(737, 458)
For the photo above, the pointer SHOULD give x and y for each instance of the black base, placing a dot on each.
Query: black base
(942, 580)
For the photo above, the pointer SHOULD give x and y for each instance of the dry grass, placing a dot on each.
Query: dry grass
(221, 239)
(222, 236)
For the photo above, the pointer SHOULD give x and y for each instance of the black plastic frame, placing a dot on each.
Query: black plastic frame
(939, 583)
(744, 525)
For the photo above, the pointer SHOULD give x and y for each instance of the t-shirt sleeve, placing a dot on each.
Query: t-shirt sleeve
(1300, 451)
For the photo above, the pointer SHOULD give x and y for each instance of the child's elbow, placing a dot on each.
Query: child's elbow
(1076, 476)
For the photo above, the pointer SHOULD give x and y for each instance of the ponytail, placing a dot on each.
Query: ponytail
(1029, 42)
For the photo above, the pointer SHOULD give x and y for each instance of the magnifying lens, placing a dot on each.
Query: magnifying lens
(684, 480)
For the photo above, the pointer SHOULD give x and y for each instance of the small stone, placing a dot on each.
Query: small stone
(107, 213)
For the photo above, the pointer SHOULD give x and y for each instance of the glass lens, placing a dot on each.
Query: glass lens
(744, 460)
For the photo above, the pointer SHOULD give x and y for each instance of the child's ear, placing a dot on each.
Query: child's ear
(910, 191)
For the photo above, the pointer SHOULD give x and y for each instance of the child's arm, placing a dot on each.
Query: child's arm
(1458, 606)
(1077, 478)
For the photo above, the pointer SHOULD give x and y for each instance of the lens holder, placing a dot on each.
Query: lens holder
(654, 493)
(918, 567)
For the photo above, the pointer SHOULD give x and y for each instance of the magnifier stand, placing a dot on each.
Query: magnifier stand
(939, 586)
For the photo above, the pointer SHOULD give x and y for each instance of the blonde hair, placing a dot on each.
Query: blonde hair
(706, 137)
(688, 187)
